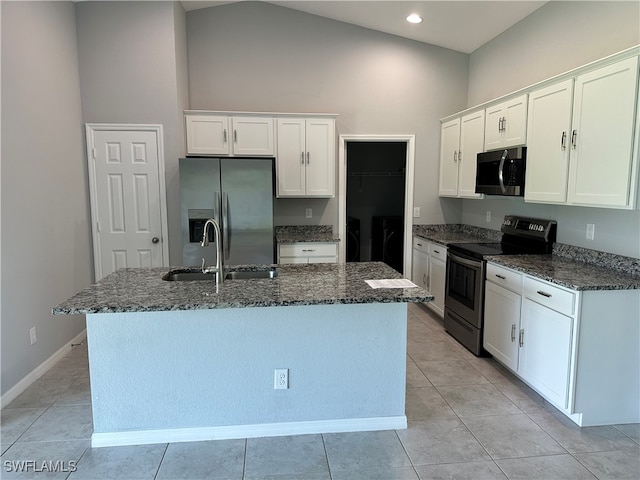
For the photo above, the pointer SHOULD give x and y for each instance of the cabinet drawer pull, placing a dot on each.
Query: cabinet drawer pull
(521, 341)
(436, 251)
(302, 156)
(501, 277)
(308, 157)
(563, 141)
(235, 136)
(419, 244)
(308, 250)
(224, 135)
(544, 294)
(513, 332)
(574, 135)
(455, 156)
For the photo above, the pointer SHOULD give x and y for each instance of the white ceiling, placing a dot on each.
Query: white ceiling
(459, 25)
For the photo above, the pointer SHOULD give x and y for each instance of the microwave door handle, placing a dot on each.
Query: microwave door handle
(501, 170)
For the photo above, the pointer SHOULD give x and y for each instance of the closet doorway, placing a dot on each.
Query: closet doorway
(376, 197)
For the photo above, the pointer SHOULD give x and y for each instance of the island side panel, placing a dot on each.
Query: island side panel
(210, 368)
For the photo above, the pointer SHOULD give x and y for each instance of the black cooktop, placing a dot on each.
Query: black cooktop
(521, 235)
(480, 250)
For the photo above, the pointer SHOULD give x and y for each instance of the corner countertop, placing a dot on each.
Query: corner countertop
(568, 273)
(143, 290)
(569, 266)
(305, 233)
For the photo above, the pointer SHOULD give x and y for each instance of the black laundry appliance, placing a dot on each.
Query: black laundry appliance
(466, 267)
(387, 235)
(353, 239)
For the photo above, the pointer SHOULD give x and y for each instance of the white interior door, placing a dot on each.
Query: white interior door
(128, 206)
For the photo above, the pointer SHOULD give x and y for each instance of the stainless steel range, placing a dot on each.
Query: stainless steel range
(464, 291)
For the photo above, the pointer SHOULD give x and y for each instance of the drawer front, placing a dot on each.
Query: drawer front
(505, 277)
(309, 249)
(549, 295)
(438, 251)
(421, 244)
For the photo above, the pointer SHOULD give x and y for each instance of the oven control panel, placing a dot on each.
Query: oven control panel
(529, 227)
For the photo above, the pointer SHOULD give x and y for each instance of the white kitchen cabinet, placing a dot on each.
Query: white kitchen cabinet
(428, 270)
(305, 164)
(549, 128)
(581, 139)
(506, 124)
(545, 351)
(603, 167)
(420, 263)
(308, 252)
(580, 350)
(225, 135)
(460, 141)
(502, 306)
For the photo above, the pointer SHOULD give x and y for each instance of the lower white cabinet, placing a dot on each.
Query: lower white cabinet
(502, 324)
(308, 252)
(545, 351)
(580, 350)
(429, 270)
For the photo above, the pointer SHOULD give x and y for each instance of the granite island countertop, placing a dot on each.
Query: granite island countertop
(143, 290)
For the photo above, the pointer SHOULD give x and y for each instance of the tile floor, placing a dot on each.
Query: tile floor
(468, 418)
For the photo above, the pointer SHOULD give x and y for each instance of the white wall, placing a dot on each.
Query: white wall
(132, 58)
(555, 38)
(46, 242)
(261, 57)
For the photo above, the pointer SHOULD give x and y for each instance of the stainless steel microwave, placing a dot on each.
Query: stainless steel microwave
(501, 172)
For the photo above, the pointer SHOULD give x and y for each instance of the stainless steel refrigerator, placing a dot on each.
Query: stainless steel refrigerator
(238, 193)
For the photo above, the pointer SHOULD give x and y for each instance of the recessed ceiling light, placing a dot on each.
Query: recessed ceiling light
(414, 18)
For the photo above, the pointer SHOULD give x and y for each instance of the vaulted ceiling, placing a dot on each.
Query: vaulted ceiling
(463, 26)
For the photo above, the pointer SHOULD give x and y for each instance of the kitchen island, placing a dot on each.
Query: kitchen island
(179, 361)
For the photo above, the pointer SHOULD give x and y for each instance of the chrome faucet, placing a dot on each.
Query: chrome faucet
(218, 269)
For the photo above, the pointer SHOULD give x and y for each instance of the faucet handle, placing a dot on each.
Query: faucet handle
(203, 268)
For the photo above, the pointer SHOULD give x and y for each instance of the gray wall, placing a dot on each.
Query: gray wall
(556, 38)
(132, 58)
(46, 236)
(261, 57)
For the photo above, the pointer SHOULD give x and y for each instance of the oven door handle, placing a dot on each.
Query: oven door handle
(464, 261)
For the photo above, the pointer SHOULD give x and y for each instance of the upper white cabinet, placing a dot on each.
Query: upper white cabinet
(305, 164)
(581, 139)
(461, 140)
(220, 134)
(549, 128)
(602, 135)
(506, 124)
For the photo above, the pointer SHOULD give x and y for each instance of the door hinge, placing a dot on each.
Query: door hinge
(98, 226)
(93, 153)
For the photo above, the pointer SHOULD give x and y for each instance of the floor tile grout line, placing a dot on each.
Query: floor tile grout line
(164, 453)
(326, 456)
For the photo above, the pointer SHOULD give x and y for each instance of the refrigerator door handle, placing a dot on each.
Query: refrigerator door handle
(226, 226)
(216, 207)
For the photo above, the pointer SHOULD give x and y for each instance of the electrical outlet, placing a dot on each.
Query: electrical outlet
(308, 213)
(488, 216)
(591, 229)
(416, 212)
(32, 335)
(281, 378)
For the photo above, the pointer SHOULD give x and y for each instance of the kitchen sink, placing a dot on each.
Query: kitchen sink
(196, 275)
(246, 275)
(188, 276)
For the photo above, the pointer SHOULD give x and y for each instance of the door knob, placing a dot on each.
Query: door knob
(155, 240)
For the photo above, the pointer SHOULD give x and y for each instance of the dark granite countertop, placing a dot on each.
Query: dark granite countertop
(569, 273)
(305, 233)
(455, 233)
(143, 290)
(573, 267)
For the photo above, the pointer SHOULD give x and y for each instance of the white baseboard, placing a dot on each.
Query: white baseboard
(40, 370)
(143, 437)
